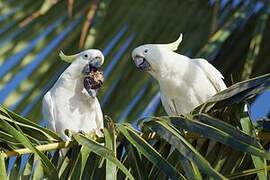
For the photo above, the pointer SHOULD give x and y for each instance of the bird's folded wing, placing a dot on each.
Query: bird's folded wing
(99, 118)
(47, 111)
(212, 74)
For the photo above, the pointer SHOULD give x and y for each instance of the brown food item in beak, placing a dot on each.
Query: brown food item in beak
(94, 80)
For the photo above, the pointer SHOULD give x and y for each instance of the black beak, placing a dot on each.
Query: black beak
(141, 63)
(89, 68)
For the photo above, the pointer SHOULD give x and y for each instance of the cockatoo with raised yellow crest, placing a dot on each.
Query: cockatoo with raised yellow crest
(70, 103)
(184, 82)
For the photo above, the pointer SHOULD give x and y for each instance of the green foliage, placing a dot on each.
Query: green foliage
(216, 140)
(164, 147)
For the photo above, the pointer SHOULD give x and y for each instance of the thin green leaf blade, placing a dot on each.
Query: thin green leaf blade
(38, 171)
(79, 166)
(148, 151)
(183, 146)
(191, 170)
(218, 134)
(136, 163)
(14, 173)
(257, 161)
(110, 143)
(18, 135)
(101, 151)
(3, 172)
(26, 172)
(257, 84)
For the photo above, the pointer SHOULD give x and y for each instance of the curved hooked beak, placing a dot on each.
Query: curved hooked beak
(94, 65)
(141, 63)
(97, 61)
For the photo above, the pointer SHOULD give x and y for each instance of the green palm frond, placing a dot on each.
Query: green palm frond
(233, 35)
(163, 146)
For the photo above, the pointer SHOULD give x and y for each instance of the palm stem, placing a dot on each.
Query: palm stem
(67, 144)
(45, 147)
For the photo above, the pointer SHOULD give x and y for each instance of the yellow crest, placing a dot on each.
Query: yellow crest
(68, 59)
(174, 45)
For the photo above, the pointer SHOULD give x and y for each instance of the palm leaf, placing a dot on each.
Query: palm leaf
(233, 35)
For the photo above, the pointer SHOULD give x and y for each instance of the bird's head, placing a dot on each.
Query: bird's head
(149, 57)
(91, 58)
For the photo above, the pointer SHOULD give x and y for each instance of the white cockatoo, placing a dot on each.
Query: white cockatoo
(184, 83)
(68, 105)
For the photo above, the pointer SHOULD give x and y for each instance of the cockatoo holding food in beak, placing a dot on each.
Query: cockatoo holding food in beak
(72, 103)
(184, 82)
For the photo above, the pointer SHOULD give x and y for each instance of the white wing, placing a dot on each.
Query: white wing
(99, 118)
(47, 110)
(167, 106)
(214, 76)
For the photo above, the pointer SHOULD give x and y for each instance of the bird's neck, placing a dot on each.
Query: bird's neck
(72, 77)
(74, 71)
(171, 68)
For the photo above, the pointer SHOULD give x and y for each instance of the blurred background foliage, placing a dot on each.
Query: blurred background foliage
(234, 35)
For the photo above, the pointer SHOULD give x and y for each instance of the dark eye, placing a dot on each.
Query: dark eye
(86, 56)
(146, 50)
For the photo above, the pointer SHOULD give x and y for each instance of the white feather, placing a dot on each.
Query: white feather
(47, 110)
(214, 76)
(184, 83)
(67, 106)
